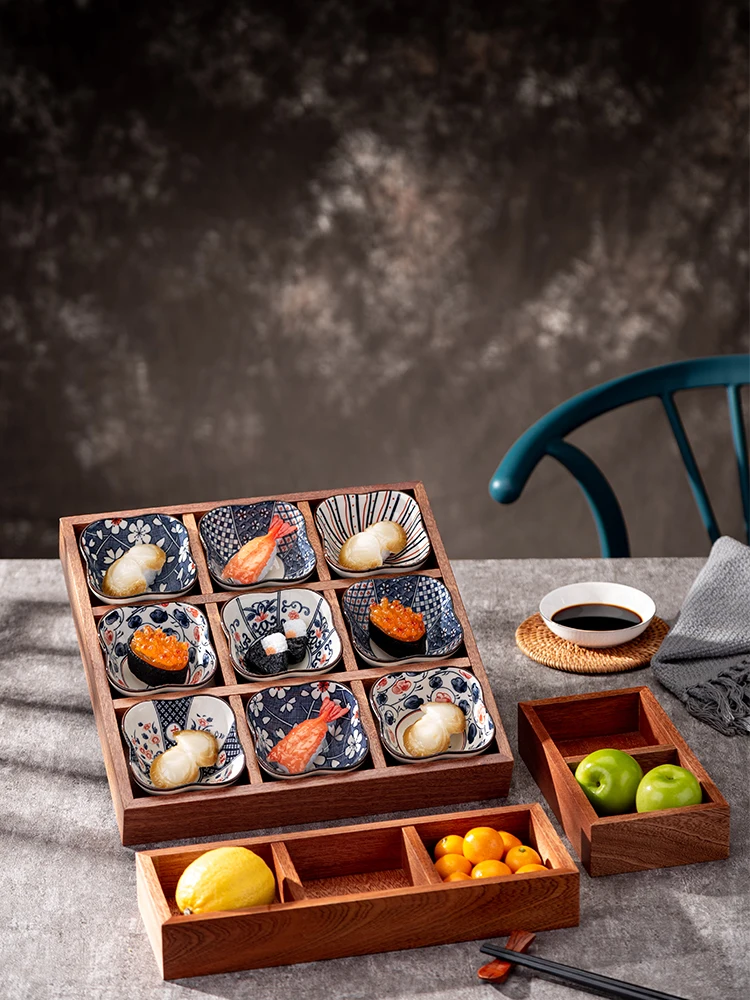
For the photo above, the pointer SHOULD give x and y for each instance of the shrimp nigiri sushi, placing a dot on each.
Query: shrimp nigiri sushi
(295, 751)
(253, 561)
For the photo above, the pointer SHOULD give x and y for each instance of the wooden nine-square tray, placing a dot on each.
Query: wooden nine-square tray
(357, 890)
(257, 801)
(555, 734)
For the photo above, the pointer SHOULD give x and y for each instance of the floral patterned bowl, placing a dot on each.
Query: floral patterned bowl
(104, 541)
(184, 621)
(248, 618)
(341, 516)
(224, 530)
(149, 728)
(396, 699)
(274, 712)
(421, 593)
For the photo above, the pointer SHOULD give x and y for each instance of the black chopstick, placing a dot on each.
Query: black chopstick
(591, 980)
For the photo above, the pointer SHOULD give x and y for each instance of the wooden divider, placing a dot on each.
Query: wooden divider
(354, 890)
(381, 785)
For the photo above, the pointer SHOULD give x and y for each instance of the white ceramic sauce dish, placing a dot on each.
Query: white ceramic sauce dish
(617, 594)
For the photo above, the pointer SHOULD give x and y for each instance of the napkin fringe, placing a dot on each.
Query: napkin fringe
(723, 701)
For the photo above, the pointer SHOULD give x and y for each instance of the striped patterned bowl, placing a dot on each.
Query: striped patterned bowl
(341, 516)
(420, 593)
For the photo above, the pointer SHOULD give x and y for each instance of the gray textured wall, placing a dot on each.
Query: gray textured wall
(253, 248)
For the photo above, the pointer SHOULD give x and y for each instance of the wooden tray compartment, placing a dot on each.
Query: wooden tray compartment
(555, 734)
(256, 801)
(354, 891)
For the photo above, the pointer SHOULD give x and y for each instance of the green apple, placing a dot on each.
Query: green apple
(610, 779)
(667, 787)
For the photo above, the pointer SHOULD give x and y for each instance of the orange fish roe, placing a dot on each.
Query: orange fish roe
(159, 649)
(398, 621)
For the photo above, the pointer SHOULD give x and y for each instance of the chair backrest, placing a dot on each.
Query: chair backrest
(546, 436)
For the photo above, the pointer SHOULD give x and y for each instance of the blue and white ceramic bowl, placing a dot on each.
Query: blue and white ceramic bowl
(224, 530)
(149, 729)
(396, 700)
(249, 617)
(274, 712)
(104, 541)
(183, 621)
(339, 517)
(420, 593)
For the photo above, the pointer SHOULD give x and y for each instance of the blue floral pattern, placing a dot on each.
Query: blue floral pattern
(397, 698)
(274, 712)
(104, 541)
(248, 618)
(339, 517)
(183, 621)
(423, 594)
(224, 530)
(149, 729)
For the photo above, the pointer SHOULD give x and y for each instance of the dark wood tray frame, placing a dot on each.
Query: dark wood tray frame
(257, 801)
(555, 734)
(357, 890)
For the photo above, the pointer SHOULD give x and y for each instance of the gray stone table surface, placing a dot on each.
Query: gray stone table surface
(69, 923)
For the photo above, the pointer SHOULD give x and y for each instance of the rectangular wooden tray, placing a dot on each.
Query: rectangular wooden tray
(555, 734)
(257, 801)
(357, 890)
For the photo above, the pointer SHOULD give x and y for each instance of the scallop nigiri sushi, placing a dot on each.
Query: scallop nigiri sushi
(134, 572)
(253, 561)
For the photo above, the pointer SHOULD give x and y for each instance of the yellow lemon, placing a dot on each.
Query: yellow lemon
(449, 845)
(227, 878)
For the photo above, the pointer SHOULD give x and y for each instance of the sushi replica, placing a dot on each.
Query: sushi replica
(370, 548)
(181, 764)
(296, 751)
(397, 629)
(252, 563)
(432, 732)
(275, 653)
(134, 572)
(156, 657)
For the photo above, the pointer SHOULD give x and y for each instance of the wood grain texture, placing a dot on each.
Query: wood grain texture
(639, 841)
(257, 801)
(288, 883)
(630, 719)
(416, 860)
(221, 596)
(358, 907)
(93, 662)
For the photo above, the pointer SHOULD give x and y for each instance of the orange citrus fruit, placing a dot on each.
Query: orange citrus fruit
(483, 844)
(458, 877)
(450, 863)
(530, 868)
(449, 845)
(509, 840)
(489, 869)
(517, 857)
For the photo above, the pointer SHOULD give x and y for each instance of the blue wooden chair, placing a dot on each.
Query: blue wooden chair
(546, 436)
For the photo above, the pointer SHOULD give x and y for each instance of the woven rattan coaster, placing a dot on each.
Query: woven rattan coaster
(535, 640)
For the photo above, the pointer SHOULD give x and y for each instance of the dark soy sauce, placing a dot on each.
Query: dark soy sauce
(596, 617)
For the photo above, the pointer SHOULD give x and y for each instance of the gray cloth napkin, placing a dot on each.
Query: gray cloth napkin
(705, 658)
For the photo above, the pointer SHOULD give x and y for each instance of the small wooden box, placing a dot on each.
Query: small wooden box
(555, 734)
(357, 890)
(257, 801)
